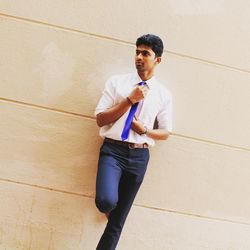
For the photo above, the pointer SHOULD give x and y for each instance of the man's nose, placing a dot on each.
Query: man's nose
(139, 56)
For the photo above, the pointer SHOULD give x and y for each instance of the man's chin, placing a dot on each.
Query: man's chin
(140, 68)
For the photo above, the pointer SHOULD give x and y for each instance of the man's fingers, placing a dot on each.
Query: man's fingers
(139, 93)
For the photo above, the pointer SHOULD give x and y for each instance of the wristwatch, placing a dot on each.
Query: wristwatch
(145, 131)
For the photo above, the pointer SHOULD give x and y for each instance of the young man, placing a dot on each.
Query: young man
(126, 113)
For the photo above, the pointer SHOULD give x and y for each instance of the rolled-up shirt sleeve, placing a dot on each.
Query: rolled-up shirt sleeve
(164, 117)
(107, 99)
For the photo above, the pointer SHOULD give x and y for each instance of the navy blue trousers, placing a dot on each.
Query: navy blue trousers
(120, 173)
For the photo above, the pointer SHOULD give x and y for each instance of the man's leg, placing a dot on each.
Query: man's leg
(107, 181)
(130, 183)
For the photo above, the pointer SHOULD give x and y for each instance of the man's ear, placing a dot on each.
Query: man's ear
(158, 60)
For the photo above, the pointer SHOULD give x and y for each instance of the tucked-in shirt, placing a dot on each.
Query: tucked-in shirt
(157, 104)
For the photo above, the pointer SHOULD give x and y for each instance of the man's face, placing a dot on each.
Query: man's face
(145, 59)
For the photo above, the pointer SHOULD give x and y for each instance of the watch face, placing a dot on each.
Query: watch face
(145, 131)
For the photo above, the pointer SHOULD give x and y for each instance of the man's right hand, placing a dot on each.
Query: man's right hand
(138, 93)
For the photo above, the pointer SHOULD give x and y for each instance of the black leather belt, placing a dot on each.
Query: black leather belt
(130, 145)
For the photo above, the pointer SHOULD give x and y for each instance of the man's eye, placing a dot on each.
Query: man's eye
(144, 53)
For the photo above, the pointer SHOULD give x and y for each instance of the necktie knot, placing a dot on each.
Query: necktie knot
(142, 83)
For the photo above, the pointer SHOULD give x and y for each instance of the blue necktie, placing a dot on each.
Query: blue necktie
(129, 119)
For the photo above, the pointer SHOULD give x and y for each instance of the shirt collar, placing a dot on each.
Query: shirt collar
(150, 82)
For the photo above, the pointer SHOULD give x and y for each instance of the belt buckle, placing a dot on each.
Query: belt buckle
(131, 145)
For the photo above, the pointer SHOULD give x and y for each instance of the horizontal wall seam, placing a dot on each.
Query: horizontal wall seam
(212, 142)
(120, 41)
(194, 215)
(135, 204)
(11, 101)
(209, 62)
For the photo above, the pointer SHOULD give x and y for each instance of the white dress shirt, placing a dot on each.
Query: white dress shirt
(156, 104)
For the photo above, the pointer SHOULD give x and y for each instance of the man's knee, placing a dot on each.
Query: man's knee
(105, 205)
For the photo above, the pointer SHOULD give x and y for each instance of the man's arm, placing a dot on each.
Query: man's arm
(157, 134)
(112, 114)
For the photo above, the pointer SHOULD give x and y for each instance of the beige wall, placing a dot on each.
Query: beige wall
(55, 58)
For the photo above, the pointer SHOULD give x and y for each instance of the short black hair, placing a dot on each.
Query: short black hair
(152, 41)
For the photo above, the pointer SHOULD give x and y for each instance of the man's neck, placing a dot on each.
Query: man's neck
(145, 75)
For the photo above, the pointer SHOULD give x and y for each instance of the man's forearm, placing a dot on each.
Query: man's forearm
(112, 114)
(158, 134)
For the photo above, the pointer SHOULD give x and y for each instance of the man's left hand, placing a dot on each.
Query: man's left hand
(137, 127)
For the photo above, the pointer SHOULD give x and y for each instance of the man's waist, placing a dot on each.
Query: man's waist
(130, 145)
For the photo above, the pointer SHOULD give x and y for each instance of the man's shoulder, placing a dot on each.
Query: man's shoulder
(115, 81)
(163, 89)
(120, 77)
